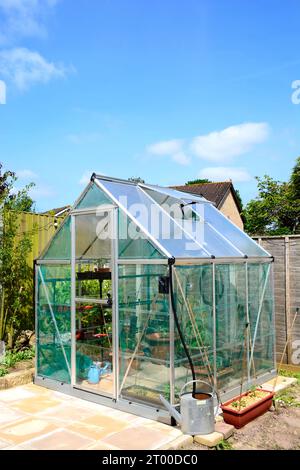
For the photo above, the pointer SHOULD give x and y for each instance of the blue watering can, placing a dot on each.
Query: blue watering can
(95, 372)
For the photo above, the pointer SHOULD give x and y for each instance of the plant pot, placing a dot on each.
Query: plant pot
(239, 418)
(160, 345)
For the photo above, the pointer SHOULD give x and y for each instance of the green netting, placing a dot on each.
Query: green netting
(132, 243)
(54, 322)
(143, 330)
(60, 245)
(94, 197)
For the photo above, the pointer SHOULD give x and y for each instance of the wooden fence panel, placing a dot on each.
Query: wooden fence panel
(41, 227)
(286, 252)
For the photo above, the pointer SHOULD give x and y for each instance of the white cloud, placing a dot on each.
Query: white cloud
(26, 174)
(24, 18)
(181, 158)
(84, 137)
(170, 148)
(24, 67)
(167, 147)
(222, 173)
(224, 145)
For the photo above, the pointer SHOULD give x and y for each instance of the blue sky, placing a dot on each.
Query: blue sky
(167, 90)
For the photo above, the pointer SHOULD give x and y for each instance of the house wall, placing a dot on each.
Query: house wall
(230, 210)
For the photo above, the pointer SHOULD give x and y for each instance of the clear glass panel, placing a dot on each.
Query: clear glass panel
(261, 318)
(231, 319)
(60, 246)
(94, 348)
(54, 322)
(93, 280)
(194, 223)
(93, 236)
(132, 242)
(158, 192)
(193, 289)
(144, 340)
(155, 221)
(238, 238)
(94, 197)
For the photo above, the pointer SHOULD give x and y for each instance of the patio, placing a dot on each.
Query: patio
(35, 418)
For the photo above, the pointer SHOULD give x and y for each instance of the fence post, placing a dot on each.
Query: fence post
(287, 296)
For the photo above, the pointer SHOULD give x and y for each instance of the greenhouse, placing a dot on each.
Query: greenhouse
(143, 288)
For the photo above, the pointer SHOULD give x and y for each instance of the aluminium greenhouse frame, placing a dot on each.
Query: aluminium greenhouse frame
(116, 401)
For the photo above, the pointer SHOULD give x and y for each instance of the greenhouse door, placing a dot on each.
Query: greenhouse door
(93, 309)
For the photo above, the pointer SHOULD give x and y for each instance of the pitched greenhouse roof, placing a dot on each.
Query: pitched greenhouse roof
(197, 230)
(166, 223)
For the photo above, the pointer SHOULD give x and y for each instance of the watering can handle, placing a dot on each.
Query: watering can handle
(206, 383)
(194, 381)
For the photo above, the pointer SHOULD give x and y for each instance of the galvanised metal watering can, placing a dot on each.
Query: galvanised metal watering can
(196, 412)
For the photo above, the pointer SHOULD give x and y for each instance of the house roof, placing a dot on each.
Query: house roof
(214, 192)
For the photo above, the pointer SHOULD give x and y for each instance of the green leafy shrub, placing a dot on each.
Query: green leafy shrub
(12, 357)
(16, 302)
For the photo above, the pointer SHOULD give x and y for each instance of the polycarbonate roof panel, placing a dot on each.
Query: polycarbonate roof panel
(214, 232)
(230, 231)
(174, 193)
(197, 227)
(197, 230)
(155, 221)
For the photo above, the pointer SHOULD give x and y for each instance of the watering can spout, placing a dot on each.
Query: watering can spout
(171, 409)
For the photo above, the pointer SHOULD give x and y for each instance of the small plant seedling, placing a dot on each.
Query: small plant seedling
(239, 403)
(224, 445)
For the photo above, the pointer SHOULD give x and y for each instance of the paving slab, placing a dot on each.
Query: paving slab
(209, 440)
(33, 417)
(281, 383)
(24, 430)
(182, 441)
(60, 439)
(226, 429)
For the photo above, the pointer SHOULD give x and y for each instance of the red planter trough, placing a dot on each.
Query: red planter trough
(239, 418)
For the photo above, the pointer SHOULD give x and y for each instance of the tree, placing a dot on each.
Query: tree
(16, 309)
(197, 181)
(295, 179)
(276, 209)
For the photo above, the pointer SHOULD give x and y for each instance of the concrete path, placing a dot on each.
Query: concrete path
(32, 417)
